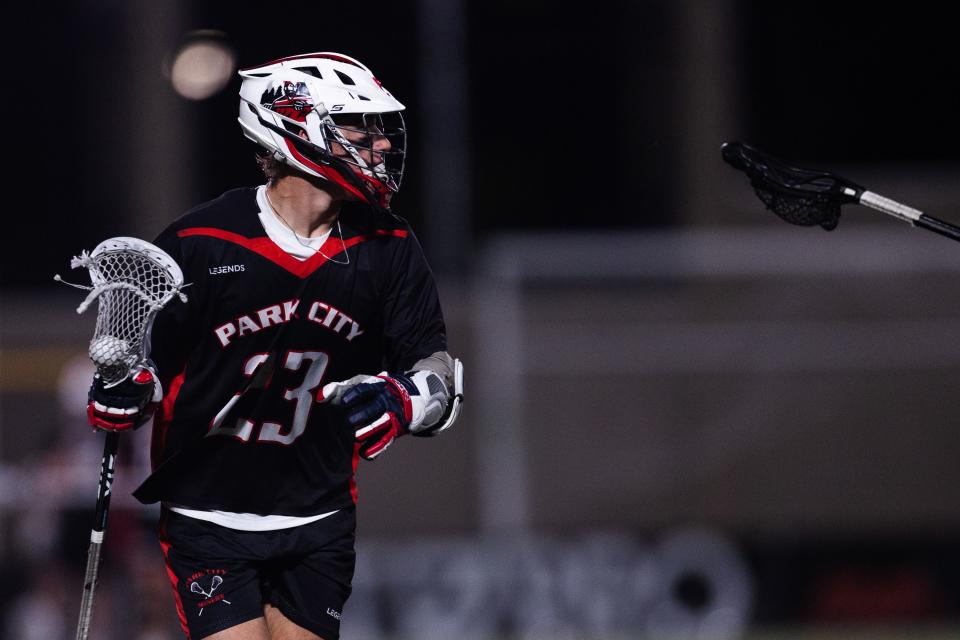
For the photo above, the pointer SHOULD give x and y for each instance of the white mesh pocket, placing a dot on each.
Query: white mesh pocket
(132, 280)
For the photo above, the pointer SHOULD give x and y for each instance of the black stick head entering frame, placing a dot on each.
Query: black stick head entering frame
(799, 196)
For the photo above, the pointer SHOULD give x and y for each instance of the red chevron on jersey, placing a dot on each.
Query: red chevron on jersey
(265, 247)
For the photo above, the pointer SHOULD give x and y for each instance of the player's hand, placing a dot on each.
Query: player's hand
(382, 408)
(378, 409)
(124, 406)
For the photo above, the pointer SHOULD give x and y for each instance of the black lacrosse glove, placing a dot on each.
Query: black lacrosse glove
(125, 406)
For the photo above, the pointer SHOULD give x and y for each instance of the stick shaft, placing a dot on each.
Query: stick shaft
(890, 207)
(939, 226)
(96, 534)
(908, 214)
(89, 587)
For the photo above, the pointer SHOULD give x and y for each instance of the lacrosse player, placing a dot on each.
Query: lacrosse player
(265, 388)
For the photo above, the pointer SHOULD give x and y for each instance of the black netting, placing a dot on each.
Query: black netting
(805, 210)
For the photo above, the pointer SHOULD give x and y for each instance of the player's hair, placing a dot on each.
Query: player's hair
(272, 168)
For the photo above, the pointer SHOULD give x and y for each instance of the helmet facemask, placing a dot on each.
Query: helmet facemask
(372, 145)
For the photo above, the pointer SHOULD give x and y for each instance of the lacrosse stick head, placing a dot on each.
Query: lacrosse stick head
(799, 196)
(131, 281)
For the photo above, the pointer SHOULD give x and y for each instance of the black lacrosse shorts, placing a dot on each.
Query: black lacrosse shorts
(223, 577)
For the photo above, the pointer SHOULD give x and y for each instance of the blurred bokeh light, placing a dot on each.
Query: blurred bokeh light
(202, 66)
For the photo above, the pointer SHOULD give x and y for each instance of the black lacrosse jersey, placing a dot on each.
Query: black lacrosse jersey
(365, 303)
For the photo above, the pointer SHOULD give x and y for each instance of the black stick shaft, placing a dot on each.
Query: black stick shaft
(939, 226)
(110, 445)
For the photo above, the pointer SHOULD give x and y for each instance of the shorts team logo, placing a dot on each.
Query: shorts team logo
(290, 99)
(215, 581)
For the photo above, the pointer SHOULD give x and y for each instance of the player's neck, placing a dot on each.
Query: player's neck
(305, 207)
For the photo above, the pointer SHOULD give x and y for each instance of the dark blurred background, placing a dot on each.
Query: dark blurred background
(684, 418)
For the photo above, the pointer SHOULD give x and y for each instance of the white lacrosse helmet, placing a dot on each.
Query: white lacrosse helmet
(328, 116)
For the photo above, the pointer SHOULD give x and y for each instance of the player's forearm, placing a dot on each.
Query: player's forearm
(440, 363)
(439, 407)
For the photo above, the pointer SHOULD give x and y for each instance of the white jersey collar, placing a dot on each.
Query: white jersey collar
(296, 245)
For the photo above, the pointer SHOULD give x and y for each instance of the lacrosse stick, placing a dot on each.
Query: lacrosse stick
(809, 197)
(132, 280)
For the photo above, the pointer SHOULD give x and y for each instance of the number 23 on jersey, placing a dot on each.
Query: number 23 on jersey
(302, 396)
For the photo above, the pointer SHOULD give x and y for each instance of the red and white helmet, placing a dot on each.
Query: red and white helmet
(328, 116)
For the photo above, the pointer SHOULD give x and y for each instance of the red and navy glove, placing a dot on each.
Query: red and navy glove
(382, 408)
(124, 406)
(378, 408)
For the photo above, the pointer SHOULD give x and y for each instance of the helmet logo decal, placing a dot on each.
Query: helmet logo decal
(289, 99)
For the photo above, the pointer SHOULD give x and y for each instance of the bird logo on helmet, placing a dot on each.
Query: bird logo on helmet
(325, 114)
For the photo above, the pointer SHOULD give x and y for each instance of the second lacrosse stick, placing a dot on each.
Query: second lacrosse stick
(810, 197)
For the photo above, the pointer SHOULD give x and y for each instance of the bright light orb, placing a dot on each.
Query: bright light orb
(201, 68)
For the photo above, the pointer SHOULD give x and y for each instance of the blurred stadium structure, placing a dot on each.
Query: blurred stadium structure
(684, 418)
